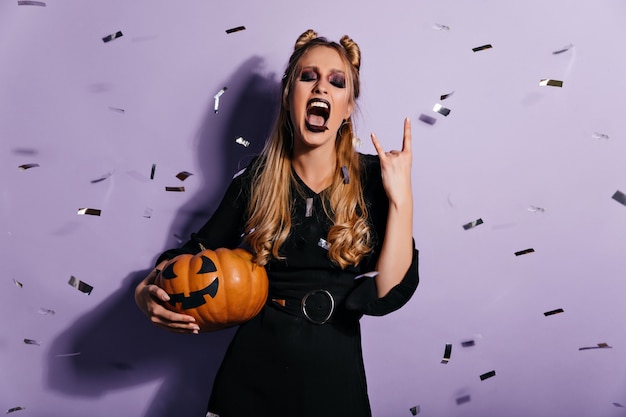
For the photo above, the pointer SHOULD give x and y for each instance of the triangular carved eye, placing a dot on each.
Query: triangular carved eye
(168, 272)
(207, 266)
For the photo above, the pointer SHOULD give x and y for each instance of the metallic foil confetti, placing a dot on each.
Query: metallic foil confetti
(216, 105)
(445, 96)
(437, 26)
(620, 197)
(441, 110)
(238, 173)
(18, 284)
(552, 83)
(89, 211)
(152, 170)
(248, 232)
(32, 342)
(117, 109)
(524, 252)
(323, 244)
(102, 177)
(599, 346)
(356, 142)
(147, 213)
(183, 175)
(14, 409)
(25, 151)
(482, 48)
(618, 405)
(468, 343)
(371, 274)
(597, 135)
(447, 353)
(80, 285)
(31, 3)
(176, 189)
(415, 410)
(178, 238)
(464, 399)
(536, 209)
(242, 142)
(487, 375)
(46, 312)
(473, 224)
(564, 49)
(27, 166)
(553, 312)
(237, 29)
(427, 119)
(113, 36)
(345, 174)
(309, 207)
(65, 355)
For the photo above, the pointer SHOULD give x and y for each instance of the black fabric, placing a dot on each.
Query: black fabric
(279, 363)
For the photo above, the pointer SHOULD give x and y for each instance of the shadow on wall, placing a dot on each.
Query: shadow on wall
(114, 346)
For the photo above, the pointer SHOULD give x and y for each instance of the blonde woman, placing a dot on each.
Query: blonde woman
(317, 214)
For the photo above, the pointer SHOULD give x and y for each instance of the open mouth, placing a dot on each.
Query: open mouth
(317, 114)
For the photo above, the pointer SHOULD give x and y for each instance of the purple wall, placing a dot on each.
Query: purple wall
(541, 166)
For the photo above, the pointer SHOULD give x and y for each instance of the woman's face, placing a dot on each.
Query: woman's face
(319, 99)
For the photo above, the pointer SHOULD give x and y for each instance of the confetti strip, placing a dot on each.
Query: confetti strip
(216, 106)
(437, 26)
(309, 207)
(183, 175)
(323, 244)
(468, 343)
(356, 142)
(371, 274)
(14, 409)
(177, 189)
(27, 166)
(46, 312)
(552, 83)
(345, 174)
(102, 177)
(536, 209)
(445, 96)
(152, 171)
(237, 29)
(242, 142)
(32, 342)
(564, 49)
(248, 232)
(620, 197)
(599, 346)
(18, 284)
(427, 119)
(65, 355)
(31, 3)
(447, 353)
(147, 213)
(25, 151)
(464, 399)
(482, 48)
(89, 211)
(178, 238)
(597, 135)
(473, 224)
(80, 285)
(441, 110)
(117, 110)
(415, 410)
(618, 405)
(487, 375)
(524, 252)
(113, 36)
(553, 312)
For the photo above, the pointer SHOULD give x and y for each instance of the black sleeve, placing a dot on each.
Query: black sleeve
(225, 227)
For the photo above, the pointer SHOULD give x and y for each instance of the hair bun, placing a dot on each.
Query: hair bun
(305, 38)
(353, 50)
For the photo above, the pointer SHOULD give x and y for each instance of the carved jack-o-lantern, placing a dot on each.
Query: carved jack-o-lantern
(220, 288)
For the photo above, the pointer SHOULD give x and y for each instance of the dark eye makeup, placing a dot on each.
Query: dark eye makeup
(337, 79)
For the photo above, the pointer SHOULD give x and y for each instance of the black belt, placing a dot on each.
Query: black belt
(317, 307)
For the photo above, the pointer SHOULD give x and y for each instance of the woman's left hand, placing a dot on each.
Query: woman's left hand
(396, 168)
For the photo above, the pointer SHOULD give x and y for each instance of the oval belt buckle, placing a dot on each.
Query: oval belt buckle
(330, 313)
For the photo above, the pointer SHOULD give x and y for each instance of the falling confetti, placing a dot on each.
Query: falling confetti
(117, 110)
(80, 285)
(309, 207)
(487, 375)
(176, 189)
(102, 177)
(356, 142)
(65, 355)
(18, 284)
(242, 142)
(438, 26)
(564, 49)
(620, 197)
(237, 29)
(14, 409)
(482, 48)
(178, 238)
(322, 243)
(152, 171)
(183, 175)
(464, 399)
(27, 166)
(345, 174)
(238, 173)
(445, 96)
(25, 151)
(618, 405)
(536, 209)
(468, 343)
(552, 83)
(553, 312)
(31, 3)
(599, 346)
(447, 353)
(113, 36)
(32, 342)
(429, 120)
(524, 252)
(216, 106)
(46, 312)
(415, 410)
(89, 211)
(147, 213)
(248, 232)
(441, 110)
(371, 274)
(473, 224)
(597, 135)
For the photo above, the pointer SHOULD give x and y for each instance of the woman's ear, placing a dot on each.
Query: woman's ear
(349, 111)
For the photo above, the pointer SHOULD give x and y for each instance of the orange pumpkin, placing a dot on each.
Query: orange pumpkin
(220, 288)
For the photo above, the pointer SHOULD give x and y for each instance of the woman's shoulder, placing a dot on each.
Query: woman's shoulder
(370, 167)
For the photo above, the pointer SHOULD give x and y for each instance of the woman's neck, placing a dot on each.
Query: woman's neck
(315, 167)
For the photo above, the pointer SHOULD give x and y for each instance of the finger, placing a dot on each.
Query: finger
(407, 138)
(158, 293)
(378, 146)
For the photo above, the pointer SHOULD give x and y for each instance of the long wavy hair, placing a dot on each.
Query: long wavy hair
(274, 186)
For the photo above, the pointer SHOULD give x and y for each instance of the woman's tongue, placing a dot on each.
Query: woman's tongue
(315, 123)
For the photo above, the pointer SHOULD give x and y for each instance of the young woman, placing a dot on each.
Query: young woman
(317, 215)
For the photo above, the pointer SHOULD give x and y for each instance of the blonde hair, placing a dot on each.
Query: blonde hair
(273, 185)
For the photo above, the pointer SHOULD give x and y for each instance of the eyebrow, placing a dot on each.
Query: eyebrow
(313, 67)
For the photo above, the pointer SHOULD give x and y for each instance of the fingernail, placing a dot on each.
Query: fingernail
(165, 297)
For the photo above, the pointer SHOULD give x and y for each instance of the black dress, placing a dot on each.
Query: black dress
(284, 362)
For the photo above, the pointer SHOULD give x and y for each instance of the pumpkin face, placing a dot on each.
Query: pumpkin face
(220, 288)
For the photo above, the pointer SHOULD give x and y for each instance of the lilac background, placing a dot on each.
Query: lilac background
(508, 144)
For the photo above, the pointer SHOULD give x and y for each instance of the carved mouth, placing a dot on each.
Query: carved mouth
(317, 114)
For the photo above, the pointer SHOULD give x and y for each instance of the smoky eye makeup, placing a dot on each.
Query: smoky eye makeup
(308, 74)
(338, 80)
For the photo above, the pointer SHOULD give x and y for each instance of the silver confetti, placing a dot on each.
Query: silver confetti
(536, 209)
(242, 141)
(216, 106)
(17, 283)
(113, 36)
(487, 375)
(237, 29)
(27, 166)
(248, 232)
(473, 224)
(102, 177)
(117, 110)
(551, 83)
(322, 243)
(564, 49)
(32, 342)
(238, 173)
(65, 355)
(429, 120)
(415, 410)
(80, 285)
(89, 211)
(371, 274)
(175, 189)
(345, 174)
(14, 409)
(152, 170)
(309, 207)
(482, 48)
(147, 213)
(524, 252)
(31, 3)
(598, 346)
(597, 135)
(445, 96)
(441, 110)
(464, 399)
(183, 175)
(447, 353)
(438, 26)
(620, 197)
(46, 312)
